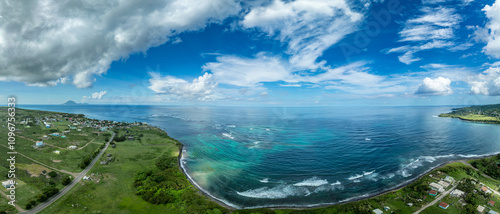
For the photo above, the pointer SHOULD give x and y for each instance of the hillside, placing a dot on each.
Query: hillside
(484, 113)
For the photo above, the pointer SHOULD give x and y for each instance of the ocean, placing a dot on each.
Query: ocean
(301, 156)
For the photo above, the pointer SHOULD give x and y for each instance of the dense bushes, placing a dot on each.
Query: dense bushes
(88, 159)
(66, 180)
(120, 138)
(489, 166)
(166, 184)
(47, 192)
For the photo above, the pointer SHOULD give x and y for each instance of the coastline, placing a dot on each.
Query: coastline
(201, 190)
(324, 205)
(232, 207)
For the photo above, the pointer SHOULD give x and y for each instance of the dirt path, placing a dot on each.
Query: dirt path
(77, 179)
(50, 167)
(20, 209)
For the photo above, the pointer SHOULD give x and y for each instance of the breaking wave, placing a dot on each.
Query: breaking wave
(312, 182)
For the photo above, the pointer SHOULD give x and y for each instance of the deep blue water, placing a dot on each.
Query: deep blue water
(252, 157)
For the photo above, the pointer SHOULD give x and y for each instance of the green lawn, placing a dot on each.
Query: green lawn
(114, 188)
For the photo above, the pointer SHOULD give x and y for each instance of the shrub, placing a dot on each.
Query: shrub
(53, 174)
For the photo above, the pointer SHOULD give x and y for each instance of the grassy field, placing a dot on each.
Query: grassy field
(111, 189)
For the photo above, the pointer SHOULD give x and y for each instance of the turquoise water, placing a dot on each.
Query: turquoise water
(255, 157)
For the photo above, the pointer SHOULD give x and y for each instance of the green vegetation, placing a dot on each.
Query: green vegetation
(489, 166)
(148, 160)
(485, 113)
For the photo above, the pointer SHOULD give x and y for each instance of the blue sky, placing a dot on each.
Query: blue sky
(257, 53)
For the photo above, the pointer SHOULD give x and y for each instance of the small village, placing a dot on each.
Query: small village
(445, 194)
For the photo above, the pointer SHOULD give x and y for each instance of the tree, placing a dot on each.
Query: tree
(66, 181)
(53, 174)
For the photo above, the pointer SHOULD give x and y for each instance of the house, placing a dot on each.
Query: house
(410, 204)
(72, 127)
(104, 162)
(87, 178)
(55, 134)
(109, 154)
(492, 212)
(79, 130)
(45, 136)
(485, 190)
(433, 193)
(57, 152)
(109, 159)
(64, 136)
(444, 184)
(130, 138)
(72, 147)
(377, 211)
(39, 143)
(444, 205)
(47, 125)
(449, 179)
(8, 183)
(491, 203)
(480, 208)
(437, 187)
(386, 208)
(457, 193)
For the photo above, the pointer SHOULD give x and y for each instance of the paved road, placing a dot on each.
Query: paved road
(66, 189)
(445, 193)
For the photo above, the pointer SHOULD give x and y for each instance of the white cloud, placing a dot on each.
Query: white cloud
(99, 95)
(307, 27)
(493, 39)
(438, 86)
(201, 88)
(248, 72)
(433, 28)
(486, 83)
(43, 42)
(252, 72)
(95, 95)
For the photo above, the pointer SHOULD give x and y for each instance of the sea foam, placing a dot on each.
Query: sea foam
(312, 182)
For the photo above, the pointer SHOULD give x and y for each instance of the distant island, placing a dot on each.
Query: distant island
(71, 102)
(484, 114)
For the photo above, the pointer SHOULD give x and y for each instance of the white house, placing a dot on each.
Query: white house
(480, 208)
(437, 187)
(457, 193)
(73, 147)
(7, 184)
(377, 211)
(57, 152)
(444, 184)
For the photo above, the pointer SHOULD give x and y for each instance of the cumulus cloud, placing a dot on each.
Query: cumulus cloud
(438, 86)
(43, 43)
(307, 28)
(248, 72)
(201, 88)
(493, 39)
(432, 29)
(253, 72)
(486, 83)
(96, 95)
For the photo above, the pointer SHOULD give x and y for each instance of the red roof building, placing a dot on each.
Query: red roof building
(444, 205)
(433, 192)
(492, 203)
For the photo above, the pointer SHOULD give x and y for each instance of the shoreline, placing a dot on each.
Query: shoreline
(298, 207)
